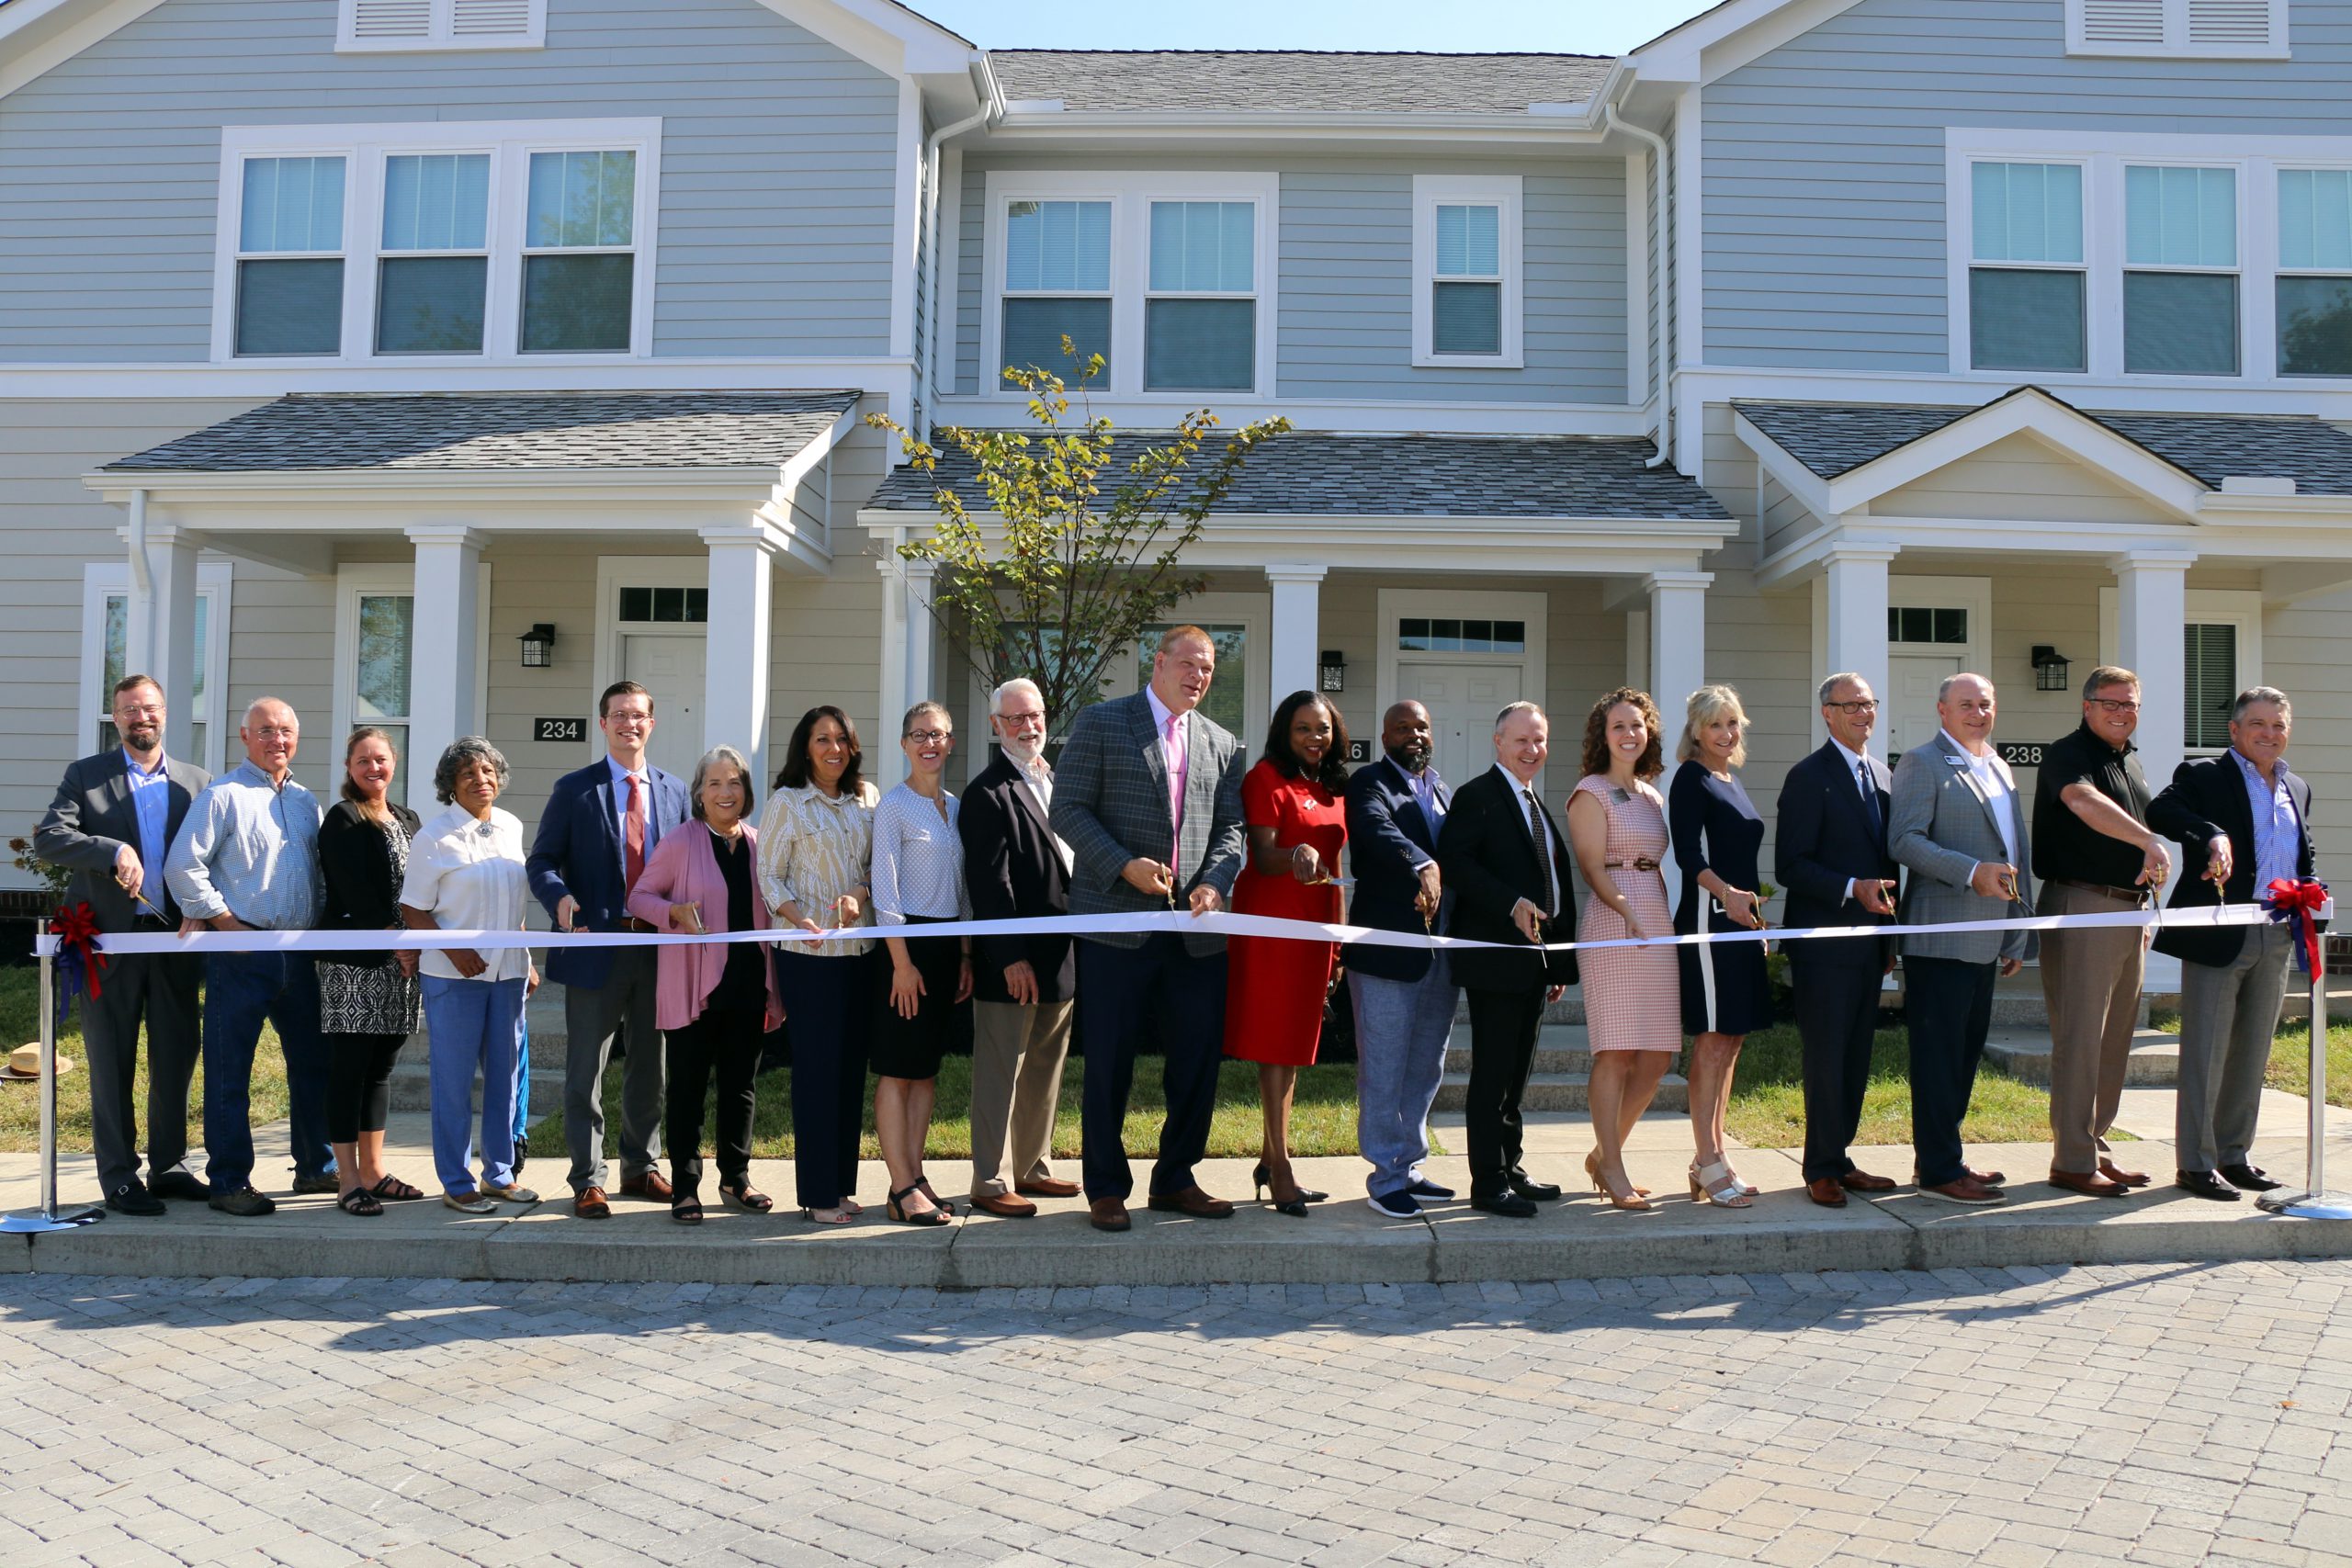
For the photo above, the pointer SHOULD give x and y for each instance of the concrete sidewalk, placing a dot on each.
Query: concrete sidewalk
(1342, 1241)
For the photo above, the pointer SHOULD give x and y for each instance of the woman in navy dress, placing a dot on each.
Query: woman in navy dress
(1725, 995)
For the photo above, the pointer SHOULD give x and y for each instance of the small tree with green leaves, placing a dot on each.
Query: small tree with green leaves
(1072, 550)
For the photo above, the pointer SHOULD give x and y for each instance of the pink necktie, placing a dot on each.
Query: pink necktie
(1179, 764)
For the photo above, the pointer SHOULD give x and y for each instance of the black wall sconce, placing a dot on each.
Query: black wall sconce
(1334, 676)
(538, 647)
(2049, 668)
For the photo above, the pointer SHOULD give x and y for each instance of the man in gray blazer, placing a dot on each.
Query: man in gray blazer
(1148, 796)
(1956, 825)
(114, 817)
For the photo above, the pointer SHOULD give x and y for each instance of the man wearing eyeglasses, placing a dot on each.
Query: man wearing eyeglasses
(111, 823)
(2095, 854)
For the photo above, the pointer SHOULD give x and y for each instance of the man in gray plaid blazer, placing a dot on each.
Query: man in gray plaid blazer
(1148, 796)
(1956, 824)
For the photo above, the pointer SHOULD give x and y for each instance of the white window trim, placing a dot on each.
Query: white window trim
(101, 581)
(352, 583)
(2103, 157)
(442, 39)
(1506, 192)
(364, 148)
(614, 573)
(1130, 194)
(2176, 44)
(2237, 607)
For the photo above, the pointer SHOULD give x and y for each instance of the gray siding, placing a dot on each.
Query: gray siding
(1345, 256)
(1824, 207)
(777, 190)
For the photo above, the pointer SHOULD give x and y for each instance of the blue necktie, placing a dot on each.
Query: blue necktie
(1869, 799)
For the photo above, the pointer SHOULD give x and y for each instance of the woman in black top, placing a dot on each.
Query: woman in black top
(368, 1002)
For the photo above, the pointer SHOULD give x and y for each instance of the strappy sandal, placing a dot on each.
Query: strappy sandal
(360, 1202)
(1716, 1184)
(833, 1216)
(688, 1212)
(897, 1209)
(941, 1204)
(392, 1189)
(744, 1195)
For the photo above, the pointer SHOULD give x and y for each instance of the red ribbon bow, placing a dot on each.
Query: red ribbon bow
(2297, 903)
(75, 927)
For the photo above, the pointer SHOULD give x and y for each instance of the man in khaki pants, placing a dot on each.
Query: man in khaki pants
(1022, 985)
(2095, 854)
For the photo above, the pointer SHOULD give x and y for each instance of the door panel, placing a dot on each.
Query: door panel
(1462, 700)
(670, 665)
(1909, 715)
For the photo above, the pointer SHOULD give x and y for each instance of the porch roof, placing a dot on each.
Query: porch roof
(1833, 439)
(1321, 473)
(504, 431)
(1296, 81)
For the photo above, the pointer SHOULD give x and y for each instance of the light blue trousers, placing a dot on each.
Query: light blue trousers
(1401, 1029)
(473, 1024)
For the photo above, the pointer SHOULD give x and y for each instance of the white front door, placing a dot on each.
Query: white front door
(1462, 700)
(1908, 710)
(670, 665)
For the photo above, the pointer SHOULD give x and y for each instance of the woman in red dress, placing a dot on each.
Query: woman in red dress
(1295, 806)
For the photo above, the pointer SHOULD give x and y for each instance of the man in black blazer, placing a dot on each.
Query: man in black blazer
(1507, 864)
(1403, 997)
(114, 817)
(1831, 855)
(2247, 822)
(1022, 985)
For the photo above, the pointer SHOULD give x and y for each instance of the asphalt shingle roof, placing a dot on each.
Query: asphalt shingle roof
(1832, 439)
(1316, 473)
(525, 430)
(1297, 81)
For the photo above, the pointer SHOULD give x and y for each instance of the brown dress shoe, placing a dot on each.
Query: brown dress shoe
(1863, 1182)
(590, 1203)
(651, 1184)
(1989, 1178)
(1109, 1215)
(1967, 1190)
(1192, 1201)
(1005, 1206)
(1826, 1191)
(2106, 1168)
(1046, 1187)
(2089, 1184)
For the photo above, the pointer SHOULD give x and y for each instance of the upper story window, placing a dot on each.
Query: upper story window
(487, 241)
(1167, 276)
(2315, 284)
(2180, 258)
(2026, 279)
(1467, 271)
(2195, 29)
(363, 26)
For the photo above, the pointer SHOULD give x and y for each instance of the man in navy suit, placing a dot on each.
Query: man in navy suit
(1832, 856)
(600, 824)
(2248, 820)
(1404, 996)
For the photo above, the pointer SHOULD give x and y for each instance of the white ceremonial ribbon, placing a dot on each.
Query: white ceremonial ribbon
(1222, 924)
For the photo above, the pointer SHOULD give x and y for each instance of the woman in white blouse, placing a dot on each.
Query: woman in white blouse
(816, 841)
(917, 879)
(464, 872)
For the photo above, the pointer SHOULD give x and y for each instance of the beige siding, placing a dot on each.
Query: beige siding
(2017, 478)
(533, 580)
(2306, 647)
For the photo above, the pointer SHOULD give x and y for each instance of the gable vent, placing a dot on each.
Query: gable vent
(2125, 21)
(482, 17)
(2242, 23)
(391, 18)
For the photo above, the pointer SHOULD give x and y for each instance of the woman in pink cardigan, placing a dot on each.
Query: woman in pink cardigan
(713, 1001)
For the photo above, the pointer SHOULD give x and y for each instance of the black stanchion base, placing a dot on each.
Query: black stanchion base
(2307, 1205)
(33, 1222)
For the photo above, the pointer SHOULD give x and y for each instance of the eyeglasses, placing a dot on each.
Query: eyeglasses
(1867, 705)
(276, 732)
(2116, 704)
(928, 736)
(141, 710)
(1023, 720)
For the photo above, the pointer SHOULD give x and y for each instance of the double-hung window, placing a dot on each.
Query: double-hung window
(579, 256)
(1057, 285)
(2026, 277)
(433, 276)
(290, 258)
(2180, 281)
(1201, 318)
(1467, 271)
(2314, 282)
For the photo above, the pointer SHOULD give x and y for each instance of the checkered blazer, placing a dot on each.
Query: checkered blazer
(1111, 806)
(1939, 826)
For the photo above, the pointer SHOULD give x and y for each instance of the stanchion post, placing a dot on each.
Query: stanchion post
(34, 1221)
(2315, 1201)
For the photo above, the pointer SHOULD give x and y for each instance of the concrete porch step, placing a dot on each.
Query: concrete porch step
(2154, 1062)
(1559, 1048)
(1569, 1009)
(1565, 1091)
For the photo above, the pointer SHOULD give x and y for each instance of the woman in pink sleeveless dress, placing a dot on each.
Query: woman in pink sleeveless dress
(1633, 996)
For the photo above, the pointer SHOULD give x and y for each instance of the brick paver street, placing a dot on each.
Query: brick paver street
(2162, 1414)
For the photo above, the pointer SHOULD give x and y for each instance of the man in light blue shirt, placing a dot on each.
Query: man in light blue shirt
(247, 859)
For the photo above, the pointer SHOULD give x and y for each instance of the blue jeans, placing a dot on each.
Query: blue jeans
(473, 1024)
(1401, 1029)
(241, 989)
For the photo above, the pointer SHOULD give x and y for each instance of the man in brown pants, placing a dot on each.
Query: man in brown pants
(2095, 854)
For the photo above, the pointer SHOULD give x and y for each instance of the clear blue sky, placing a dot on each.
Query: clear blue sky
(1576, 27)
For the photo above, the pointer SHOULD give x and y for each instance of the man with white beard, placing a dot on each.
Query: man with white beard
(1022, 985)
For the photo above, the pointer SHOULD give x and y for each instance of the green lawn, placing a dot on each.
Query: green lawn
(2290, 1056)
(1767, 1097)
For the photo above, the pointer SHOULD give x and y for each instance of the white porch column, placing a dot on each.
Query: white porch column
(1857, 620)
(1294, 660)
(885, 764)
(1678, 667)
(922, 640)
(738, 654)
(1637, 649)
(441, 666)
(161, 637)
(2151, 608)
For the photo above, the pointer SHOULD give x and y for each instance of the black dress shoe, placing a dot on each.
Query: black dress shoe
(1509, 1204)
(179, 1184)
(2205, 1184)
(2249, 1178)
(132, 1199)
(1429, 1191)
(1536, 1191)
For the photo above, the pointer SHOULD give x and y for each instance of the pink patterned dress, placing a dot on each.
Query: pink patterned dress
(1633, 996)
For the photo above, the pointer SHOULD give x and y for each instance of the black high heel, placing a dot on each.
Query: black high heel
(1296, 1207)
(897, 1209)
(1306, 1193)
